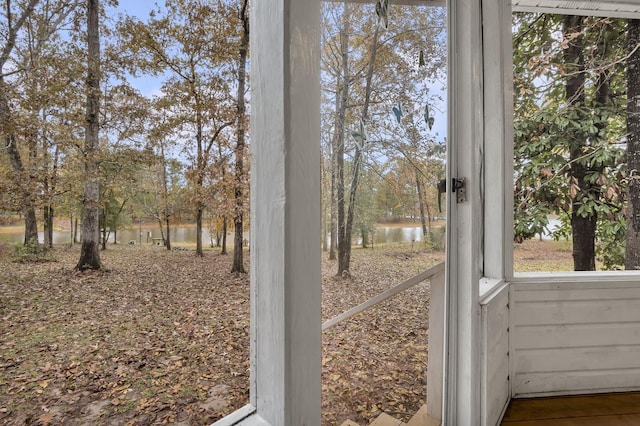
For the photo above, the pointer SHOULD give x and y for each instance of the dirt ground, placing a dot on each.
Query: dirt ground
(162, 338)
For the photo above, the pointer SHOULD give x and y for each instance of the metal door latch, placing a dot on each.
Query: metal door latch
(457, 187)
(460, 190)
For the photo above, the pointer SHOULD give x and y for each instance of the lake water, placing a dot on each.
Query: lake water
(187, 234)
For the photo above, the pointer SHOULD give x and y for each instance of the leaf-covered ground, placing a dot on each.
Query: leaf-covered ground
(162, 338)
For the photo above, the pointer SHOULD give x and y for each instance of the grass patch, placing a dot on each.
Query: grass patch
(32, 253)
(543, 256)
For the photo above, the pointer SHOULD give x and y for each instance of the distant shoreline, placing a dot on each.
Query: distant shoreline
(62, 225)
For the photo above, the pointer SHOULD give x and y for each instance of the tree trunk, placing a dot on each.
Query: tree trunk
(89, 253)
(21, 178)
(167, 241)
(199, 212)
(8, 131)
(165, 196)
(103, 240)
(343, 243)
(344, 260)
(582, 228)
(632, 253)
(161, 227)
(224, 236)
(323, 226)
(75, 231)
(113, 227)
(238, 264)
(421, 203)
(50, 191)
(46, 225)
(365, 237)
(333, 231)
(51, 218)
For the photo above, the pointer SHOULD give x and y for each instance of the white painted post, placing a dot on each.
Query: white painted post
(498, 139)
(465, 220)
(498, 163)
(285, 211)
(435, 364)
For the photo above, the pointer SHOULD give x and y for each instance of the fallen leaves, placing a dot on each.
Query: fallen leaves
(132, 345)
(376, 361)
(163, 337)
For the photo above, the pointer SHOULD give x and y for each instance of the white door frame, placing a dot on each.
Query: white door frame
(479, 239)
(461, 405)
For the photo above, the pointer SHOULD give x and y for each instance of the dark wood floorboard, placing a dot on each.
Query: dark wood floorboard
(603, 410)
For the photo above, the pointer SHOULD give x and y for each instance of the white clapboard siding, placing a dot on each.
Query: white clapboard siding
(495, 355)
(575, 336)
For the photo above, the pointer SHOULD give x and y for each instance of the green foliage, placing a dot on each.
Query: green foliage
(611, 236)
(569, 153)
(31, 253)
(436, 238)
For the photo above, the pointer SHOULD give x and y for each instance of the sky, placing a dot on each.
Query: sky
(150, 86)
(139, 8)
(147, 85)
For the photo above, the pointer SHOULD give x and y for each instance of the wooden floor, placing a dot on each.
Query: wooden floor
(619, 409)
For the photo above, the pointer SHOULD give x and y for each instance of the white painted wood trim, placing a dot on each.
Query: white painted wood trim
(490, 288)
(595, 277)
(464, 220)
(236, 417)
(511, 339)
(437, 352)
(609, 8)
(254, 420)
(498, 139)
(496, 390)
(398, 2)
(578, 392)
(576, 335)
(417, 279)
(285, 198)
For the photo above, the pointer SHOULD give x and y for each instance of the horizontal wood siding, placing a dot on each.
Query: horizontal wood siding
(495, 357)
(575, 337)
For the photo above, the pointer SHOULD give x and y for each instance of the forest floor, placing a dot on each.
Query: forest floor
(161, 337)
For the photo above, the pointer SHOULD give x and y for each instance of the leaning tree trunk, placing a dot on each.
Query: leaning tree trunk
(89, 253)
(224, 236)
(8, 131)
(238, 264)
(344, 259)
(632, 253)
(421, 203)
(582, 228)
(21, 177)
